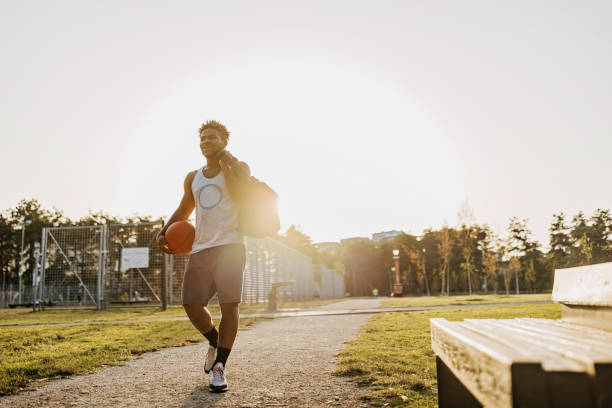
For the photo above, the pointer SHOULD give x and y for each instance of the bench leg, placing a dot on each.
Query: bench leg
(451, 392)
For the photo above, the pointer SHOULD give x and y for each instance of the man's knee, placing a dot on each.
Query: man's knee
(193, 308)
(229, 307)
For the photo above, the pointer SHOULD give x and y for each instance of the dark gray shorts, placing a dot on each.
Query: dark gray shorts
(214, 270)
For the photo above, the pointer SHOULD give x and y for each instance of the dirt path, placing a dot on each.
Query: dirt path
(282, 362)
(347, 307)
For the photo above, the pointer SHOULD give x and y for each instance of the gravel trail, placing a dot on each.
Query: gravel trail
(282, 362)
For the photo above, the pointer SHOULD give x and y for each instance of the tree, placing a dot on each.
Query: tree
(515, 268)
(490, 269)
(530, 275)
(586, 250)
(298, 239)
(38, 217)
(445, 247)
(599, 236)
(417, 257)
(520, 238)
(468, 236)
(560, 241)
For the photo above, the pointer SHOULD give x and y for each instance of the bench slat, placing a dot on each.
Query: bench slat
(589, 332)
(490, 371)
(572, 333)
(596, 359)
(546, 343)
(553, 361)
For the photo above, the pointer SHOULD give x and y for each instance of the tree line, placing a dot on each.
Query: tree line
(464, 259)
(468, 258)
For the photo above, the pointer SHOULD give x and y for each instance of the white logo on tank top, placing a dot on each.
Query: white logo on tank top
(210, 196)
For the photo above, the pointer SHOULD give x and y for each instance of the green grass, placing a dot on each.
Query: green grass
(461, 300)
(11, 317)
(32, 354)
(393, 354)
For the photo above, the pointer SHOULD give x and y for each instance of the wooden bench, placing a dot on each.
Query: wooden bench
(533, 362)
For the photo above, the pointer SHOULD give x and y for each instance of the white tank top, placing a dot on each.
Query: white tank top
(216, 213)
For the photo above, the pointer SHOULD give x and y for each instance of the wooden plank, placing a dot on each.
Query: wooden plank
(550, 359)
(547, 344)
(598, 339)
(591, 316)
(584, 285)
(487, 368)
(589, 332)
(569, 387)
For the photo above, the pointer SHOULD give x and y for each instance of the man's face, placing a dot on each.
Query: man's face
(211, 142)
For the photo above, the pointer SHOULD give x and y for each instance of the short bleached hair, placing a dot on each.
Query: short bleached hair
(213, 124)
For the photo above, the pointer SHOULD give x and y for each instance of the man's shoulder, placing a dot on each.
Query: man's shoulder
(190, 176)
(245, 167)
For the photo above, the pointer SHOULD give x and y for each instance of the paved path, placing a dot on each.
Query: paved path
(283, 362)
(346, 307)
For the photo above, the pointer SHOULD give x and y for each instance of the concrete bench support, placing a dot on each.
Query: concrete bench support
(273, 295)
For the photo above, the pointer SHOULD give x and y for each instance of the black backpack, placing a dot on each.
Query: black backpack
(258, 214)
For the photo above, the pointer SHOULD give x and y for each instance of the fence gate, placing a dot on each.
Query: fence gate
(72, 262)
(102, 265)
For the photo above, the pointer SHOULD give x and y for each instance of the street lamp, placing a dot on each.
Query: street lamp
(397, 288)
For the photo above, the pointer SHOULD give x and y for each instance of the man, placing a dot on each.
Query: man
(216, 262)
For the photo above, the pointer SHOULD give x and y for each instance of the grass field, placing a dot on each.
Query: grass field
(461, 300)
(32, 354)
(393, 354)
(10, 317)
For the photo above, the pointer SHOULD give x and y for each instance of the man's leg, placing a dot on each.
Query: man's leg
(202, 320)
(228, 328)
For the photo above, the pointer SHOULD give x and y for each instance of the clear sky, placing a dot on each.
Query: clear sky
(365, 116)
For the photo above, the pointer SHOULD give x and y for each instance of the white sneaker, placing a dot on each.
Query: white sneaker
(218, 382)
(211, 355)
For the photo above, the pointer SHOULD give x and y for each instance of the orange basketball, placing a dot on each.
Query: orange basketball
(179, 237)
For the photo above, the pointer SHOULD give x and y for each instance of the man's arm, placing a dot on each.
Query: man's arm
(182, 213)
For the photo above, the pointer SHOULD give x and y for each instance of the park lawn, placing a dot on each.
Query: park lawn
(461, 300)
(393, 354)
(29, 354)
(11, 317)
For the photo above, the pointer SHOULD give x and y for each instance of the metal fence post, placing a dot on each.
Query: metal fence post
(164, 283)
(100, 276)
(43, 258)
(170, 279)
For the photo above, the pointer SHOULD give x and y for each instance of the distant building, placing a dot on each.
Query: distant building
(386, 235)
(353, 240)
(327, 246)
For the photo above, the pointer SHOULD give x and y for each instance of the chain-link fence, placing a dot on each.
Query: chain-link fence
(72, 265)
(102, 265)
(121, 264)
(268, 261)
(135, 264)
